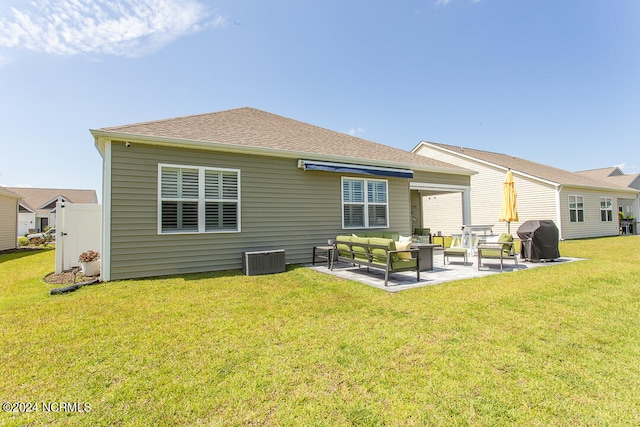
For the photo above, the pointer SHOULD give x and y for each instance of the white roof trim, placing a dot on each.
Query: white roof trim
(9, 193)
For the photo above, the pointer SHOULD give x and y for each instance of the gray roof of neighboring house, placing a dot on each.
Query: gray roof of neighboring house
(246, 129)
(538, 170)
(36, 198)
(614, 174)
(602, 172)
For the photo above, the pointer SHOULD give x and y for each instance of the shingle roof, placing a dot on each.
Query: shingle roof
(7, 192)
(602, 172)
(252, 128)
(36, 198)
(538, 170)
(613, 174)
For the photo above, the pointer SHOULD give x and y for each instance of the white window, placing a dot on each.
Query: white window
(606, 209)
(364, 203)
(576, 208)
(198, 199)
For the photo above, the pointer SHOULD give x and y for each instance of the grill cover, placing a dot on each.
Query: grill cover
(539, 240)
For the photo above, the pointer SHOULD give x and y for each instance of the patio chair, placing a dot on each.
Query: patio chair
(422, 233)
(501, 249)
(455, 250)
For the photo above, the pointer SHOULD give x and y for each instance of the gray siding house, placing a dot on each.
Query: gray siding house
(190, 194)
(8, 219)
(580, 205)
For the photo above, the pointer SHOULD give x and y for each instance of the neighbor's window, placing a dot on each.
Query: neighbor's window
(606, 209)
(364, 203)
(198, 199)
(576, 208)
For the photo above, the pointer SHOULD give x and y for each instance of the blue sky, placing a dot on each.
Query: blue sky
(557, 82)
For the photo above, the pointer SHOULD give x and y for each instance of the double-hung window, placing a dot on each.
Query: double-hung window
(576, 208)
(606, 209)
(364, 203)
(198, 199)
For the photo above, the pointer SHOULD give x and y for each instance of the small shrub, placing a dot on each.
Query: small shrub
(88, 256)
(23, 241)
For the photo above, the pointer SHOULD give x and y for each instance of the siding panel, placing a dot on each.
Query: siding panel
(8, 222)
(592, 226)
(282, 207)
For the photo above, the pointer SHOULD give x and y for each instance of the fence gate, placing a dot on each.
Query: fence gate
(78, 229)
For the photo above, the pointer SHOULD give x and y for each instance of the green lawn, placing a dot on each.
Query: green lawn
(548, 346)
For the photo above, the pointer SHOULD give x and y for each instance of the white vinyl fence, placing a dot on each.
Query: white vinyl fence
(78, 229)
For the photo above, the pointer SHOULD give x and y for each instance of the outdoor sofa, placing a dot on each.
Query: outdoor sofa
(377, 252)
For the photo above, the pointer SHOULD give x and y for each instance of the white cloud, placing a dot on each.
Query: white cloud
(446, 2)
(355, 131)
(112, 27)
(629, 169)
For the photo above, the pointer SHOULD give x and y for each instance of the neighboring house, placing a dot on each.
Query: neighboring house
(615, 175)
(8, 219)
(580, 205)
(190, 194)
(38, 206)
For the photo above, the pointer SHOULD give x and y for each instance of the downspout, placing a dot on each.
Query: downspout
(559, 211)
(17, 222)
(636, 215)
(105, 255)
(466, 206)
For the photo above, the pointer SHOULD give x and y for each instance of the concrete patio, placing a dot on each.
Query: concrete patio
(454, 270)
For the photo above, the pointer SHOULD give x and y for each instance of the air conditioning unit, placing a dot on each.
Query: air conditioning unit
(263, 262)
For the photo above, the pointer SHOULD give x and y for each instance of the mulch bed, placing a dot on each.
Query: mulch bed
(66, 278)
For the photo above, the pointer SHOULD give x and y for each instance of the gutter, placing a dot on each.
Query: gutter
(101, 135)
(558, 189)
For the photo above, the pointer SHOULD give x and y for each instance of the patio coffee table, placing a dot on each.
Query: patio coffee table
(425, 254)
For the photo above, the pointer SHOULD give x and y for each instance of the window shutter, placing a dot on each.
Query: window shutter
(211, 185)
(169, 216)
(354, 216)
(189, 184)
(377, 215)
(229, 186)
(377, 191)
(353, 191)
(170, 183)
(229, 216)
(212, 216)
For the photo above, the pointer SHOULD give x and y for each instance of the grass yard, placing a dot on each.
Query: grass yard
(548, 346)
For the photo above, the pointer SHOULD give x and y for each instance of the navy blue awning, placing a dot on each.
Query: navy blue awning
(310, 165)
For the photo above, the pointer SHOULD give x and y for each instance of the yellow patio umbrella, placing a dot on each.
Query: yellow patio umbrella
(509, 207)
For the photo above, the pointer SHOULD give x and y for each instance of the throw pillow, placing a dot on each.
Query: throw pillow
(402, 245)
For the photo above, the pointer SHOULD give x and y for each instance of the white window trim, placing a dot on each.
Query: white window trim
(201, 200)
(574, 197)
(610, 209)
(366, 203)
